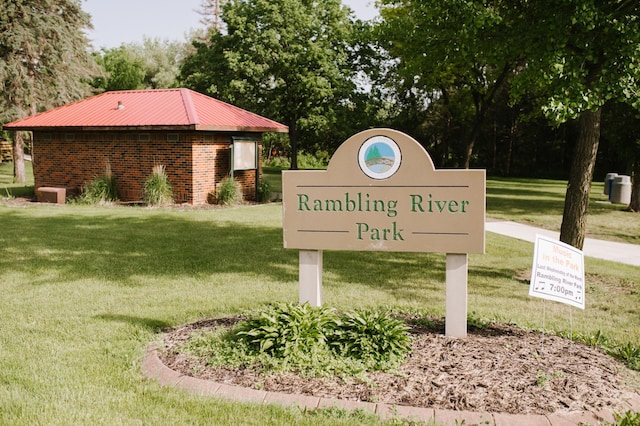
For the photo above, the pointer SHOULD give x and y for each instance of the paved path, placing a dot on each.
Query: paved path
(607, 250)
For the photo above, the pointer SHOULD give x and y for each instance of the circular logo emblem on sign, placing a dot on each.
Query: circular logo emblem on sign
(379, 157)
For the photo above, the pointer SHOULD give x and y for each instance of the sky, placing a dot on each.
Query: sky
(124, 21)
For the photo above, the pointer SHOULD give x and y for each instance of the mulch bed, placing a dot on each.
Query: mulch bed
(500, 368)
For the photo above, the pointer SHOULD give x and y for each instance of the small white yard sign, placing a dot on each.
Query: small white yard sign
(558, 272)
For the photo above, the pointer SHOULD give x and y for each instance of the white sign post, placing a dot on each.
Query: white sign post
(558, 272)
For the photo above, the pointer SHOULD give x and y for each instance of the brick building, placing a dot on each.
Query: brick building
(199, 140)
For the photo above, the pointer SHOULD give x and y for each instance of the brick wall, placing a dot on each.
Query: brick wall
(194, 161)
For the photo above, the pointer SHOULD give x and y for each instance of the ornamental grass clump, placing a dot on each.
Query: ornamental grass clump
(101, 190)
(229, 192)
(157, 189)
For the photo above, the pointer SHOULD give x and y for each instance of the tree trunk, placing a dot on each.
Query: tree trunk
(469, 149)
(293, 146)
(576, 202)
(634, 206)
(19, 174)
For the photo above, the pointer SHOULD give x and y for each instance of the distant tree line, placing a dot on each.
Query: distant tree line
(531, 89)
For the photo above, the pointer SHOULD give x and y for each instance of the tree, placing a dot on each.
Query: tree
(566, 56)
(621, 145)
(446, 49)
(579, 54)
(44, 61)
(154, 64)
(210, 11)
(285, 59)
(123, 71)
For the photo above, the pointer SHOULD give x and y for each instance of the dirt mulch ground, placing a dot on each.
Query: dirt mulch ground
(496, 369)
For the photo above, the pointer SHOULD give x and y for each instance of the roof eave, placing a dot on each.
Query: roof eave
(149, 128)
(243, 129)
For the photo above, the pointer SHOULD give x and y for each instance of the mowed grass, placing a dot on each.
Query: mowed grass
(540, 202)
(85, 289)
(8, 188)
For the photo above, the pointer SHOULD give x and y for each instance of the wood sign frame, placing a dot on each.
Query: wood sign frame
(381, 192)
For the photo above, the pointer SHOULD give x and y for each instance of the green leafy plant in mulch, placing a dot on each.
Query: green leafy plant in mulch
(157, 190)
(101, 190)
(307, 340)
(627, 353)
(628, 418)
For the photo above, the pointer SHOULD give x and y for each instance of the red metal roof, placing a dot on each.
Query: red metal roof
(180, 109)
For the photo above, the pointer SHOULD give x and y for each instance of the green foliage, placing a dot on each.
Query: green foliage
(288, 328)
(308, 340)
(228, 192)
(85, 289)
(319, 160)
(628, 418)
(278, 162)
(264, 191)
(283, 59)
(44, 58)
(629, 354)
(153, 64)
(596, 339)
(157, 190)
(373, 337)
(123, 70)
(100, 190)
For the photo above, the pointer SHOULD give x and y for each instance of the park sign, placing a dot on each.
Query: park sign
(381, 192)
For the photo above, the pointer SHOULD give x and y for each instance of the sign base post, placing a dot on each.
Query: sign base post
(310, 277)
(456, 295)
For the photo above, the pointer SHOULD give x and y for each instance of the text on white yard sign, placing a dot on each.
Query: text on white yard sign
(558, 272)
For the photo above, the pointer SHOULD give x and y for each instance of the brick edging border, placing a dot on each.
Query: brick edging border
(153, 368)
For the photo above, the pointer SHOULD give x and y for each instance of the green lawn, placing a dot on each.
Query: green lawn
(540, 202)
(85, 289)
(7, 186)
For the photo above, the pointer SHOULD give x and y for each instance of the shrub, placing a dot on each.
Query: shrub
(311, 341)
(101, 190)
(228, 192)
(157, 189)
(264, 191)
(278, 162)
(285, 329)
(374, 337)
(319, 160)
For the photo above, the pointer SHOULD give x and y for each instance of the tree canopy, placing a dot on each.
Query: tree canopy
(152, 64)
(286, 59)
(44, 60)
(567, 57)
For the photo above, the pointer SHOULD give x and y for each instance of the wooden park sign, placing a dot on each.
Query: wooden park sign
(381, 192)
